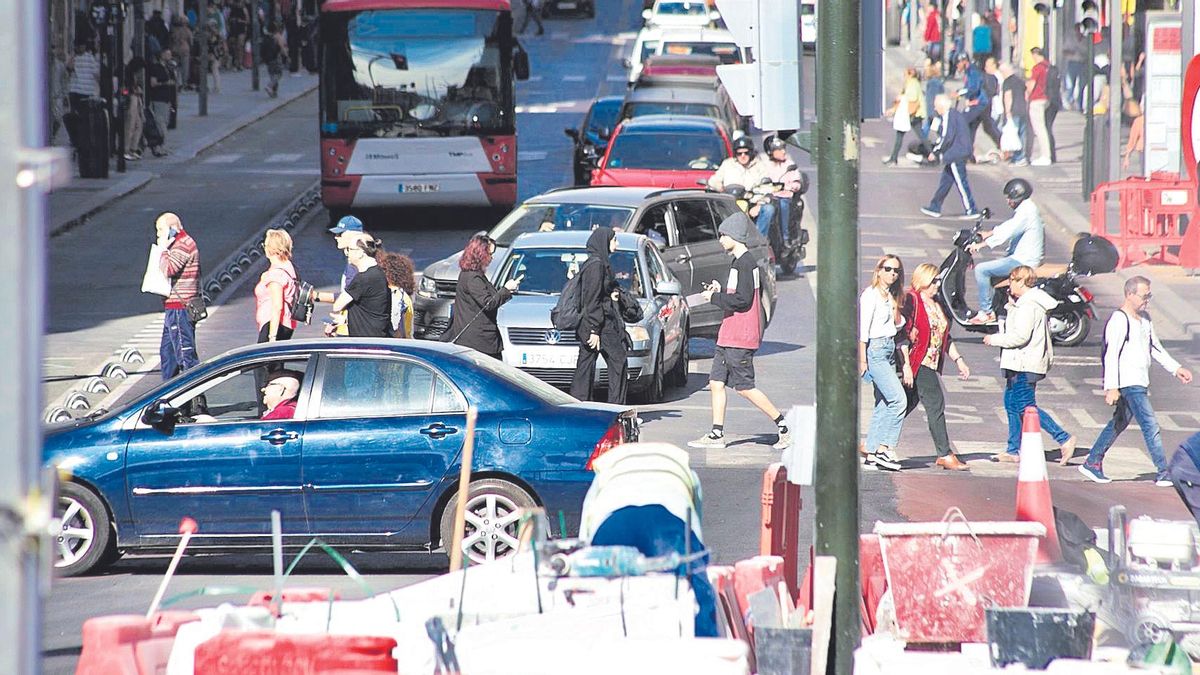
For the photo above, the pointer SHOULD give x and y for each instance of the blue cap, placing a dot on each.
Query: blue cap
(347, 224)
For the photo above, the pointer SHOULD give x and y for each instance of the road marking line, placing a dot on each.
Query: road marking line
(531, 155)
(283, 158)
(222, 159)
(574, 78)
(616, 78)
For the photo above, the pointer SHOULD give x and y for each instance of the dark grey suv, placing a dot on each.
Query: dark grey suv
(682, 223)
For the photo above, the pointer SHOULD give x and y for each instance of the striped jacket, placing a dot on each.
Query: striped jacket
(181, 263)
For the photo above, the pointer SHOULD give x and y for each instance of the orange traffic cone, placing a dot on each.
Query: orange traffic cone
(1033, 487)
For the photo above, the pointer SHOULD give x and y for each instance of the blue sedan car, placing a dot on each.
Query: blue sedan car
(369, 459)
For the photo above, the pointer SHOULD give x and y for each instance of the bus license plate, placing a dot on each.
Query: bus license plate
(419, 187)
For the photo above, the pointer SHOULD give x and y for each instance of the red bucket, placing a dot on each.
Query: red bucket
(944, 575)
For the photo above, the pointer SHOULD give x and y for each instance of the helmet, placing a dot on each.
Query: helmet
(1018, 190)
(773, 143)
(744, 143)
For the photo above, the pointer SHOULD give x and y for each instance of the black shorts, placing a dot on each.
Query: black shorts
(733, 367)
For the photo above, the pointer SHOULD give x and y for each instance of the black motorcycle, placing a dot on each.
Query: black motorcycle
(787, 244)
(1070, 321)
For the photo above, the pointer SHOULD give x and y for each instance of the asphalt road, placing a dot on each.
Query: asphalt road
(235, 188)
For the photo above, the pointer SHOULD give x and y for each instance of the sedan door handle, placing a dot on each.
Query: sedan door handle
(279, 436)
(438, 430)
(682, 258)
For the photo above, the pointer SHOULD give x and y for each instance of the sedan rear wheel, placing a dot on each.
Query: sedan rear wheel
(679, 372)
(493, 516)
(84, 536)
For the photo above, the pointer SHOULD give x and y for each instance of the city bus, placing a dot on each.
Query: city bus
(417, 104)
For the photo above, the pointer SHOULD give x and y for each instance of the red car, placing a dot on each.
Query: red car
(665, 151)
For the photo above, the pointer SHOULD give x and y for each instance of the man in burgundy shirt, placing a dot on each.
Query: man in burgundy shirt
(279, 395)
(1039, 103)
(180, 262)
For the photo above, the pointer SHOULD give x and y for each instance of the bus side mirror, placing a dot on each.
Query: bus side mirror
(521, 64)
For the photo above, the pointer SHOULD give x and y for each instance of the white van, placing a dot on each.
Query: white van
(716, 42)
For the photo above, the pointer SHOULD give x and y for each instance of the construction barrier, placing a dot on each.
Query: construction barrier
(753, 575)
(1153, 219)
(729, 613)
(267, 598)
(129, 644)
(872, 577)
(268, 653)
(780, 532)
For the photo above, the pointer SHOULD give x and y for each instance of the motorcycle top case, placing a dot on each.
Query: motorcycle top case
(1094, 255)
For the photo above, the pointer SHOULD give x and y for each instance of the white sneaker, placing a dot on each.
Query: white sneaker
(885, 459)
(708, 441)
(785, 439)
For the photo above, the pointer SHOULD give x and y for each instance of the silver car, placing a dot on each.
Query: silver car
(659, 354)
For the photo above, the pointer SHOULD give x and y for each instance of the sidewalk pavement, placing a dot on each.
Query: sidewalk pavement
(1058, 192)
(237, 106)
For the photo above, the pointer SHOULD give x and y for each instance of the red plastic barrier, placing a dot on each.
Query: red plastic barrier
(780, 532)
(873, 578)
(267, 653)
(1153, 216)
(265, 598)
(753, 575)
(129, 644)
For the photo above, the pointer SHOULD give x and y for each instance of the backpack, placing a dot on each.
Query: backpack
(300, 307)
(1054, 85)
(568, 311)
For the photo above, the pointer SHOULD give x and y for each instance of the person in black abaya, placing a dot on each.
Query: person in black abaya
(601, 329)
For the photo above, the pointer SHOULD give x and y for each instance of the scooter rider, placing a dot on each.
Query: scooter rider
(744, 169)
(781, 170)
(1025, 235)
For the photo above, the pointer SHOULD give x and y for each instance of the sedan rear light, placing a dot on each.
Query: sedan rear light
(611, 439)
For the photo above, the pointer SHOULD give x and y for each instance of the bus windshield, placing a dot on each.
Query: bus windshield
(416, 72)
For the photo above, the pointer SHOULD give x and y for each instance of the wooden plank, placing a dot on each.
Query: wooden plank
(824, 586)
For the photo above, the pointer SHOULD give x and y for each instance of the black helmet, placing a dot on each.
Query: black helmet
(744, 143)
(772, 143)
(1018, 190)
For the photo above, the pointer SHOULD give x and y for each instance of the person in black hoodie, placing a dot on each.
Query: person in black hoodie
(476, 300)
(601, 329)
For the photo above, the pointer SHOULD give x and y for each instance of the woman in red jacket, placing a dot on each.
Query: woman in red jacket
(926, 349)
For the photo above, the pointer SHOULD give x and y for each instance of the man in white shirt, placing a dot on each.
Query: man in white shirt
(1129, 344)
(1025, 235)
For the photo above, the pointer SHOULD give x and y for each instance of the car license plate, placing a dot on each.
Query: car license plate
(557, 358)
(566, 5)
(419, 187)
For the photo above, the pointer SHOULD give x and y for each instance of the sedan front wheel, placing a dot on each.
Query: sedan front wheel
(83, 539)
(493, 517)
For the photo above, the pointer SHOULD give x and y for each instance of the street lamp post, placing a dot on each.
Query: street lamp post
(255, 37)
(1089, 24)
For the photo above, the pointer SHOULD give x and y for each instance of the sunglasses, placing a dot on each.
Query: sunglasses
(742, 152)
(889, 268)
(1147, 296)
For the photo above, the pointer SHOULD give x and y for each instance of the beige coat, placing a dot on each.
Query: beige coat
(1025, 343)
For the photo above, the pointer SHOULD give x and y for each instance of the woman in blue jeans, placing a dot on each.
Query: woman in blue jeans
(878, 322)
(1025, 354)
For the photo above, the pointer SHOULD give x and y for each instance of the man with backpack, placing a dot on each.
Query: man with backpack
(1038, 93)
(1129, 344)
(740, 334)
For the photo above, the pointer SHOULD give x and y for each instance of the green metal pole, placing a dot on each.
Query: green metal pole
(837, 142)
(1089, 150)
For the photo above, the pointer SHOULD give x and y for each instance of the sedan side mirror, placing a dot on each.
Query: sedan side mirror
(605, 133)
(626, 64)
(161, 413)
(668, 287)
(572, 134)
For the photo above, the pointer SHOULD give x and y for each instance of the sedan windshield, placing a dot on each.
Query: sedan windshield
(559, 217)
(667, 151)
(546, 270)
(672, 108)
(682, 8)
(726, 51)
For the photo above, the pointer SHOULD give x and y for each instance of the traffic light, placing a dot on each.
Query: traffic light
(768, 88)
(1088, 14)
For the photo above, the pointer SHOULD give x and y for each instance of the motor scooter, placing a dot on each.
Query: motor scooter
(1070, 321)
(787, 244)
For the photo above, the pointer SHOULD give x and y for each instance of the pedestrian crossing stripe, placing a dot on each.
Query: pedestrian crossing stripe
(283, 158)
(223, 159)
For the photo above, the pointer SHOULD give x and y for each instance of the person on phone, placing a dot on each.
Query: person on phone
(477, 300)
(601, 329)
(740, 335)
(926, 350)
(180, 262)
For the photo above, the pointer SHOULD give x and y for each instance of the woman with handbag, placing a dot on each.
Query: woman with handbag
(908, 112)
(477, 300)
(398, 269)
(276, 289)
(925, 352)
(879, 322)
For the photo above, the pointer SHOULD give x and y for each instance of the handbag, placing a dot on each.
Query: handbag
(196, 310)
(900, 121)
(153, 280)
(1010, 138)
